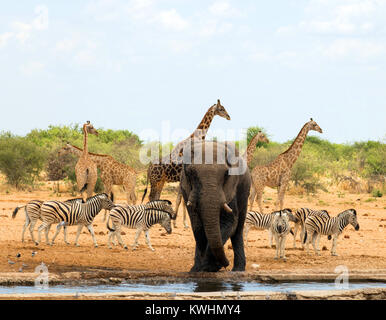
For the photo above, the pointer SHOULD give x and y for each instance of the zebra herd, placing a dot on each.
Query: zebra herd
(313, 223)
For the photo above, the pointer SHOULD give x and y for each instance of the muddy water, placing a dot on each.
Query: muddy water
(191, 286)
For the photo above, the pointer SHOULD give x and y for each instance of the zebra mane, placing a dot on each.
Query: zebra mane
(97, 196)
(347, 212)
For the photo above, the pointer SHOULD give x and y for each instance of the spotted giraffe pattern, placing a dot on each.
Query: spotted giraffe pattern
(278, 172)
(112, 172)
(86, 169)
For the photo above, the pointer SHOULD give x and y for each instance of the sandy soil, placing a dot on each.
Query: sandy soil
(360, 251)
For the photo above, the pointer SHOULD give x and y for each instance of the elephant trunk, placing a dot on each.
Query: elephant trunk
(211, 220)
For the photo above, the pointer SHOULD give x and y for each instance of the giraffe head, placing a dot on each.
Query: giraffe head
(90, 128)
(261, 137)
(65, 149)
(219, 110)
(312, 125)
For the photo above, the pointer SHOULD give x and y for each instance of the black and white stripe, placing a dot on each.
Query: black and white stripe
(316, 226)
(73, 213)
(262, 221)
(32, 215)
(280, 227)
(140, 217)
(301, 215)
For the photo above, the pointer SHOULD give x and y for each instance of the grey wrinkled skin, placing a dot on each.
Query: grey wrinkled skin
(207, 187)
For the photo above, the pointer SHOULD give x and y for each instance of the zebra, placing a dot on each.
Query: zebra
(302, 214)
(140, 217)
(75, 213)
(32, 215)
(316, 226)
(280, 227)
(263, 221)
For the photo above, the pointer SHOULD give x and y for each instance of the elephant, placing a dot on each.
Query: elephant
(216, 194)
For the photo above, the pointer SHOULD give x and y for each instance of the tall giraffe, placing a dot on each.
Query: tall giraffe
(86, 169)
(112, 172)
(278, 172)
(169, 168)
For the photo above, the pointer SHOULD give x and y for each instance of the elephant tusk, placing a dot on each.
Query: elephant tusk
(227, 208)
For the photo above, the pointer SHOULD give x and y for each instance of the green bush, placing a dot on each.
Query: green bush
(21, 161)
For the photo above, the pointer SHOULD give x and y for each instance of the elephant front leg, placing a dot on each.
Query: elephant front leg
(239, 261)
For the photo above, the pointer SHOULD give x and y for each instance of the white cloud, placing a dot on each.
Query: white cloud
(223, 8)
(22, 31)
(356, 48)
(171, 19)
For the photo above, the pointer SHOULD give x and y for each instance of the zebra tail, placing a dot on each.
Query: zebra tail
(15, 212)
(291, 232)
(107, 225)
(147, 181)
(305, 237)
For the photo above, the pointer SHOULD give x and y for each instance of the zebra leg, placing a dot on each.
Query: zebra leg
(27, 222)
(282, 247)
(302, 232)
(118, 235)
(135, 243)
(295, 233)
(40, 229)
(314, 236)
(65, 234)
(277, 246)
(48, 230)
(147, 238)
(31, 229)
(334, 244)
(58, 227)
(318, 243)
(80, 227)
(270, 236)
(91, 230)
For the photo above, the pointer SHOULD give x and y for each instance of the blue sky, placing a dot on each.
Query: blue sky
(134, 64)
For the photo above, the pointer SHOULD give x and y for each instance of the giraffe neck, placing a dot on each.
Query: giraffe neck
(204, 125)
(251, 148)
(294, 150)
(85, 141)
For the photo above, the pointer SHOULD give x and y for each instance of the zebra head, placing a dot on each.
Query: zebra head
(164, 205)
(281, 220)
(353, 219)
(106, 202)
(290, 215)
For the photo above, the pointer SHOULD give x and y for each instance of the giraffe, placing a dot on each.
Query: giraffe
(112, 172)
(86, 169)
(258, 137)
(278, 172)
(169, 167)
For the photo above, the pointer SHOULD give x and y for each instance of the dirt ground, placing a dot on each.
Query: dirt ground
(360, 251)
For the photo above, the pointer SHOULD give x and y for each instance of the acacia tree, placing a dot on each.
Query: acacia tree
(21, 161)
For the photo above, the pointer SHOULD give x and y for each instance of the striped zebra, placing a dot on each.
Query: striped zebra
(302, 214)
(262, 221)
(316, 226)
(32, 215)
(280, 227)
(75, 213)
(140, 217)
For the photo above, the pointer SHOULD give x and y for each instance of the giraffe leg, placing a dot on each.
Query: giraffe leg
(107, 187)
(280, 193)
(259, 196)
